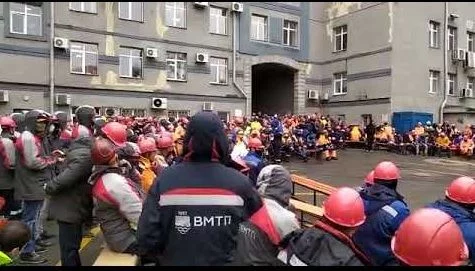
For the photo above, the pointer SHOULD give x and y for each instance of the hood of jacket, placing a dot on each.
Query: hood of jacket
(205, 139)
(99, 170)
(457, 212)
(31, 118)
(377, 195)
(83, 142)
(274, 182)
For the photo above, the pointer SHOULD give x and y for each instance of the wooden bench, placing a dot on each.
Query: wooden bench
(305, 208)
(108, 257)
(315, 186)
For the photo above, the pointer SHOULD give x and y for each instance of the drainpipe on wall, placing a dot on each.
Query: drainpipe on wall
(234, 61)
(444, 47)
(51, 60)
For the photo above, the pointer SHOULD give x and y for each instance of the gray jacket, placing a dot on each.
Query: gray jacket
(7, 163)
(71, 194)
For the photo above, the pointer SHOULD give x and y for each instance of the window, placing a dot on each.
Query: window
(175, 14)
(132, 11)
(223, 115)
(470, 83)
(452, 32)
(434, 34)
(83, 58)
(339, 83)
(176, 66)
(433, 81)
(290, 33)
(129, 112)
(451, 83)
(178, 113)
(219, 70)
(341, 38)
(89, 7)
(259, 27)
(470, 44)
(130, 62)
(217, 20)
(26, 19)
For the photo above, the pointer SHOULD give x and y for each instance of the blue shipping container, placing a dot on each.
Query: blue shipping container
(404, 122)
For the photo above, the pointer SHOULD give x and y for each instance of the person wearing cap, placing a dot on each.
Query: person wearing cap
(34, 168)
(459, 203)
(429, 237)
(255, 246)
(70, 194)
(118, 200)
(253, 158)
(385, 210)
(329, 242)
(148, 150)
(419, 129)
(129, 157)
(192, 213)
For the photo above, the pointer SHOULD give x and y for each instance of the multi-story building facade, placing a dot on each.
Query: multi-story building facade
(361, 59)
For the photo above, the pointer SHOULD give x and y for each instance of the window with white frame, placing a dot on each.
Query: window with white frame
(341, 38)
(217, 20)
(339, 83)
(132, 11)
(433, 81)
(129, 112)
(452, 33)
(470, 85)
(434, 34)
(130, 62)
(178, 113)
(88, 7)
(259, 27)
(26, 19)
(176, 66)
(290, 33)
(451, 83)
(219, 70)
(83, 58)
(175, 14)
(470, 40)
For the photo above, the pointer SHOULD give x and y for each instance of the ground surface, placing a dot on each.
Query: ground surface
(423, 180)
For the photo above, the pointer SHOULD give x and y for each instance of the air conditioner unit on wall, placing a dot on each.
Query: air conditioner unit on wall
(325, 96)
(312, 94)
(202, 57)
(151, 52)
(470, 60)
(237, 7)
(461, 54)
(4, 97)
(465, 93)
(201, 4)
(61, 43)
(207, 106)
(159, 103)
(63, 99)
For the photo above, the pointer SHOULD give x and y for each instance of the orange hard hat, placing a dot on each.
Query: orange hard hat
(386, 171)
(462, 190)
(344, 207)
(369, 179)
(116, 132)
(429, 237)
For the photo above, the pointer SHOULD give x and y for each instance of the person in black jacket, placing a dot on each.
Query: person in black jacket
(370, 131)
(71, 195)
(193, 210)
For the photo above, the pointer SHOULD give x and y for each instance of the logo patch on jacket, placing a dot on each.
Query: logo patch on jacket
(182, 223)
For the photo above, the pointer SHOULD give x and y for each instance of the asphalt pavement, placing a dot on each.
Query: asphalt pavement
(423, 180)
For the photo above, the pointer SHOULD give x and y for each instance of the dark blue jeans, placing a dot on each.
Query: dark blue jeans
(70, 237)
(31, 214)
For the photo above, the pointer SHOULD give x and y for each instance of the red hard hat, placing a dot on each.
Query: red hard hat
(7, 122)
(254, 143)
(462, 190)
(102, 151)
(164, 142)
(344, 207)
(116, 132)
(369, 179)
(429, 237)
(386, 171)
(147, 145)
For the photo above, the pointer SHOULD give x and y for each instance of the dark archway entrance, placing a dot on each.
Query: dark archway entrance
(272, 89)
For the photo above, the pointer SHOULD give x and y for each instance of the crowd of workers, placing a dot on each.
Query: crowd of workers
(201, 191)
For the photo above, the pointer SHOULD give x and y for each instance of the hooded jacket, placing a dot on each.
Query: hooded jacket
(71, 194)
(7, 163)
(255, 246)
(464, 219)
(34, 165)
(118, 202)
(385, 210)
(255, 163)
(192, 213)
